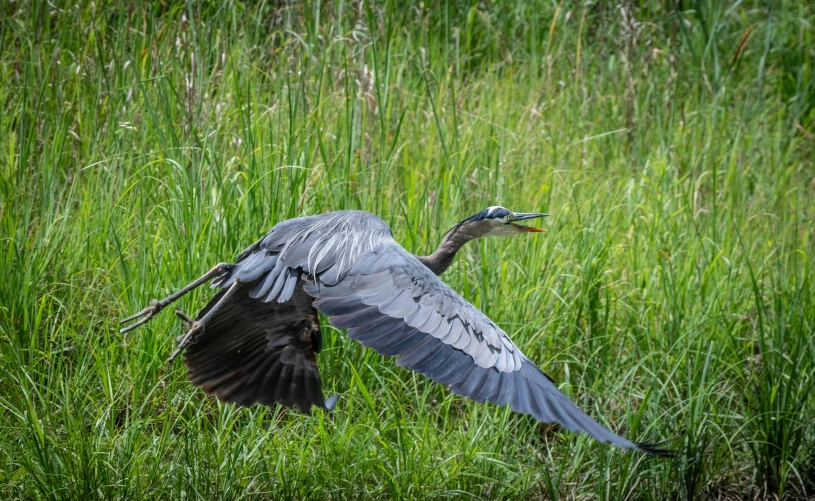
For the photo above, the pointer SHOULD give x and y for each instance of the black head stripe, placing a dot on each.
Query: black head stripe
(489, 213)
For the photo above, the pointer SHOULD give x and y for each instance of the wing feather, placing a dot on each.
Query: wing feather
(249, 349)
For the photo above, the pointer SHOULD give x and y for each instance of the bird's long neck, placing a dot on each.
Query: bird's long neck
(440, 260)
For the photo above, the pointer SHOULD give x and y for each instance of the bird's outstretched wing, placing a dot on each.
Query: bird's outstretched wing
(389, 301)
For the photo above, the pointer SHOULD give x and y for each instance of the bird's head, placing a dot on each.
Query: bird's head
(498, 221)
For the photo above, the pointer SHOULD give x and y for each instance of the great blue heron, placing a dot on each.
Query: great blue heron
(257, 339)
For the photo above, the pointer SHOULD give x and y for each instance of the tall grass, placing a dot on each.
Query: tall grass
(143, 142)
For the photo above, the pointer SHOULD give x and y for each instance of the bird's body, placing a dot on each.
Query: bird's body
(257, 339)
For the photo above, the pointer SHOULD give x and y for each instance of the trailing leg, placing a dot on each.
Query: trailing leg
(187, 322)
(157, 305)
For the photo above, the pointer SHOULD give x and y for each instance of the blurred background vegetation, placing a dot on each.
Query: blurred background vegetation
(672, 142)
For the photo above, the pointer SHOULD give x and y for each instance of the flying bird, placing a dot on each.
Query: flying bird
(256, 341)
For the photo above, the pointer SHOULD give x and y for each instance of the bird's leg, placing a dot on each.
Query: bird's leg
(156, 306)
(187, 321)
(199, 324)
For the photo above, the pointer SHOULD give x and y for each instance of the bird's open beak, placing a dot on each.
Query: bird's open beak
(521, 216)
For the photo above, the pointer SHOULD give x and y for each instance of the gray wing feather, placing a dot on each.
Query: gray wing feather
(327, 245)
(395, 305)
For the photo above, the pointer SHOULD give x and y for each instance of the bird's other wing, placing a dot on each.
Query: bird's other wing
(391, 302)
(252, 351)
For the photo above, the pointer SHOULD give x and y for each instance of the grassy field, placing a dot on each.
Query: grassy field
(672, 142)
